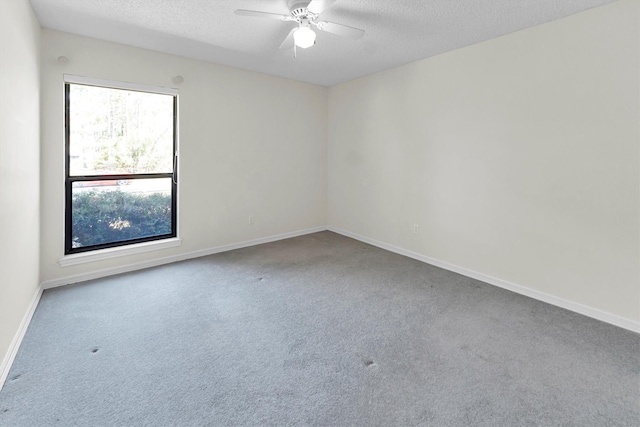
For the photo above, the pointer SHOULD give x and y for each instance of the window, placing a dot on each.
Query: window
(120, 165)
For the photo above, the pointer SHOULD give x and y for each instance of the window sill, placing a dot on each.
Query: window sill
(103, 254)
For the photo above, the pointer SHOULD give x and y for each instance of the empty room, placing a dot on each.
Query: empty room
(320, 212)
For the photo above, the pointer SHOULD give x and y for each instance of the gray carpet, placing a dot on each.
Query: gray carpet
(317, 330)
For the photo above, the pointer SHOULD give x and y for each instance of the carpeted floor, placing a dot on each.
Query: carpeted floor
(316, 330)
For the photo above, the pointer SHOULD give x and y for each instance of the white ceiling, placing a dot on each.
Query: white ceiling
(397, 31)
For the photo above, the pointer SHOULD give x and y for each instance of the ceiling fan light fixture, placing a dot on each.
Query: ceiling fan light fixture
(304, 37)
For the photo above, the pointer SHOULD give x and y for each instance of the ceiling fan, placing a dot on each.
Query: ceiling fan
(305, 14)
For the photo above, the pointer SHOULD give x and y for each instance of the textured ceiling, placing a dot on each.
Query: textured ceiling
(397, 31)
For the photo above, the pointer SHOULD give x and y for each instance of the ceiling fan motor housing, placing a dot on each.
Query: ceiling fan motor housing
(301, 14)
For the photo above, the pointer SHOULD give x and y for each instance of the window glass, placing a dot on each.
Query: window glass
(117, 131)
(109, 211)
(121, 181)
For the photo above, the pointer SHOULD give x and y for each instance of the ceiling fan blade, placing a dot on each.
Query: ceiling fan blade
(259, 14)
(318, 6)
(340, 30)
(288, 41)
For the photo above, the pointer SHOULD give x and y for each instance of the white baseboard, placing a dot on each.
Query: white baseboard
(9, 357)
(47, 284)
(541, 296)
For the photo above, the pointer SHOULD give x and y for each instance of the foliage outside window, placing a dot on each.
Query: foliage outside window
(120, 167)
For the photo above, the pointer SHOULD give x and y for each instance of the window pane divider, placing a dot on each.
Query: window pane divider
(116, 177)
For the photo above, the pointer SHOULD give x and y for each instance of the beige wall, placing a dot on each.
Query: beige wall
(518, 158)
(19, 166)
(250, 144)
